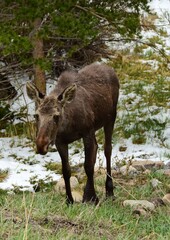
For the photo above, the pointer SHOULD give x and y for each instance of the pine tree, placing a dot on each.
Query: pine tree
(36, 33)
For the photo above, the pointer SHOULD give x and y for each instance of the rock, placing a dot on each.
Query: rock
(147, 172)
(147, 164)
(165, 172)
(80, 174)
(77, 196)
(167, 166)
(81, 177)
(128, 170)
(159, 165)
(160, 171)
(143, 165)
(60, 185)
(115, 172)
(166, 199)
(138, 204)
(155, 182)
(74, 182)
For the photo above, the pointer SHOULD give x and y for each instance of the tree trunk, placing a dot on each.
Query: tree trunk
(38, 54)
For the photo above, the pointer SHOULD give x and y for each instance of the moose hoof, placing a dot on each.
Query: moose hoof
(110, 196)
(69, 201)
(94, 200)
(113, 198)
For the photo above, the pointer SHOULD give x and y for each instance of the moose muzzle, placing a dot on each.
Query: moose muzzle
(42, 144)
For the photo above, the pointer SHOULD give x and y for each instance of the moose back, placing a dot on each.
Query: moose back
(81, 103)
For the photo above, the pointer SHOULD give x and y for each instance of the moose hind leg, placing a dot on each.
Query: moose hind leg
(108, 130)
(63, 151)
(90, 147)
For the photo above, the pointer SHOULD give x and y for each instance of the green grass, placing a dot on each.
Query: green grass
(44, 215)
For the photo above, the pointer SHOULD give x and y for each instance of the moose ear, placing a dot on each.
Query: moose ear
(68, 94)
(33, 93)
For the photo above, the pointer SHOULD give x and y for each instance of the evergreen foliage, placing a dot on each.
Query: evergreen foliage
(67, 27)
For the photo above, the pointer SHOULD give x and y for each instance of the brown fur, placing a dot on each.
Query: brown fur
(95, 101)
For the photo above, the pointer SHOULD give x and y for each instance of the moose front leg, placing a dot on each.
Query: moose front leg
(66, 170)
(90, 148)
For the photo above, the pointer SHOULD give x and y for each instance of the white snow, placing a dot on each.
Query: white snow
(19, 159)
(160, 6)
(23, 164)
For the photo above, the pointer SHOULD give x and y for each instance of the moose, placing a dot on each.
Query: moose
(7, 91)
(81, 103)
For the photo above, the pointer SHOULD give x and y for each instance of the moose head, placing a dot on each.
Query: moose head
(49, 114)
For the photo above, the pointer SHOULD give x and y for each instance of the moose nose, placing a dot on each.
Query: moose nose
(42, 144)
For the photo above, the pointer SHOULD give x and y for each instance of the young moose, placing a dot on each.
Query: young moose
(80, 104)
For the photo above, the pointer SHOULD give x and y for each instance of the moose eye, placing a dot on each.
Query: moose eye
(36, 116)
(56, 117)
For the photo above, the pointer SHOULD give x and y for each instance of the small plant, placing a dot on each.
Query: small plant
(3, 175)
(6, 115)
(163, 32)
(156, 40)
(149, 53)
(41, 184)
(139, 139)
(161, 93)
(53, 166)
